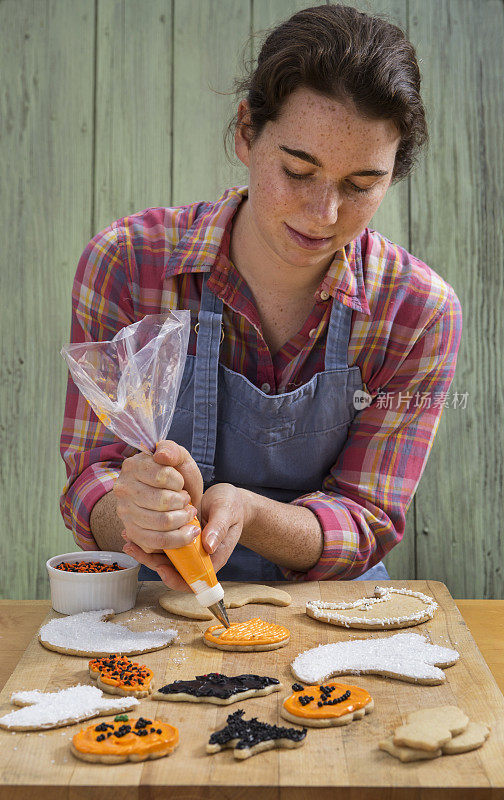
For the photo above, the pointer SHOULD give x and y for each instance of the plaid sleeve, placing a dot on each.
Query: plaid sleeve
(101, 306)
(363, 502)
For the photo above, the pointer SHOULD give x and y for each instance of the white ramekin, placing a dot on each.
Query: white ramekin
(73, 592)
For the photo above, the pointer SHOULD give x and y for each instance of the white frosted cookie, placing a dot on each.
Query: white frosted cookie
(235, 595)
(90, 634)
(55, 709)
(387, 610)
(404, 656)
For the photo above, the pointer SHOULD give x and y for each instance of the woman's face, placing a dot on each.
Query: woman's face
(317, 176)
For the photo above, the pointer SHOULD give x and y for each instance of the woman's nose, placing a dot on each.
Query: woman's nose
(322, 209)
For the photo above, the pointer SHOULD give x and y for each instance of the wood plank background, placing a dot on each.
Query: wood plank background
(111, 106)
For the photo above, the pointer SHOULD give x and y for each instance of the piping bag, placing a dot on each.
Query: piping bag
(132, 384)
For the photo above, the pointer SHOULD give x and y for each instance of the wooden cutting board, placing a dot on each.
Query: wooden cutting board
(334, 762)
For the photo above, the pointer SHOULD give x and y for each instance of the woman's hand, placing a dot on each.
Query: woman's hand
(225, 510)
(157, 498)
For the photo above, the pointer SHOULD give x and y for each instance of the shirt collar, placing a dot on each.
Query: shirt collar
(202, 247)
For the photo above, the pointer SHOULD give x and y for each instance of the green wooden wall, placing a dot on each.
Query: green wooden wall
(111, 106)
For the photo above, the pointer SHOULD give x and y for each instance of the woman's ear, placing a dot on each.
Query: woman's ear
(243, 133)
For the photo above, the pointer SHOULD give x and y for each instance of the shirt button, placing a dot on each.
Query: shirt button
(265, 388)
(312, 333)
(324, 295)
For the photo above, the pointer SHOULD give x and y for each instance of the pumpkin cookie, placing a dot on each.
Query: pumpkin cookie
(250, 636)
(125, 740)
(326, 705)
(116, 674)
(387, 610)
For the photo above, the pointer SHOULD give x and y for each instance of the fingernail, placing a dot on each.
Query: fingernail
(212, 542)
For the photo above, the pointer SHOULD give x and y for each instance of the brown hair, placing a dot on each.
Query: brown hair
(343, 54)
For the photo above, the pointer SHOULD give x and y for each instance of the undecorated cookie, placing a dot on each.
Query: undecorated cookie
(473, 737)
(90, 634)
(407, 753)
(431, 728)
(54, 709)
(252, 635)
(235, 595)
(405, 656)
(248, 737)
(387, 610)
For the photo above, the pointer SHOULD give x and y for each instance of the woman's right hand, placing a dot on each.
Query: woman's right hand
(158, 496)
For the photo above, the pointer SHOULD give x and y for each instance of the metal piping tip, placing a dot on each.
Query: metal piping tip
(219, 611)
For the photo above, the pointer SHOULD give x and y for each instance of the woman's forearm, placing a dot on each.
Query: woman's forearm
(290, 536)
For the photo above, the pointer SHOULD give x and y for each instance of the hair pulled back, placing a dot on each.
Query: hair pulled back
(346, 55)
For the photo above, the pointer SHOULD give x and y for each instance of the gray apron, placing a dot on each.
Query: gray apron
(280, 446)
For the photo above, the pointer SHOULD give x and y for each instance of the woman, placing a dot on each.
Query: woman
(320, 352)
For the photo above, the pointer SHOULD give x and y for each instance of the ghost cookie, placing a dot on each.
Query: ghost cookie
(90, 634)
(235, 595)
(54, 709)
(388, 609)
(125, 740)
(249, 737)
(217, 688)
(252, 635)
(116, 674)
(326, 705)
(404, 656)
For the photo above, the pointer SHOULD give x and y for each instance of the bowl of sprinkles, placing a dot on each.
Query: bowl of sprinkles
(92, 580)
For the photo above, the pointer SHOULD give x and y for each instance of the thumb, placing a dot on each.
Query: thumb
(216, 530)
(171, 454)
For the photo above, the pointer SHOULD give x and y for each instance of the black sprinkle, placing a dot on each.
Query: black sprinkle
(252, 732)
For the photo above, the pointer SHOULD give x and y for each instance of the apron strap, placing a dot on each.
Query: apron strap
(205, 382)
(338, 333)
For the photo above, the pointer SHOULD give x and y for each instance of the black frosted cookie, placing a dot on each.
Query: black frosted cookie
(218, 688)
(249, 737)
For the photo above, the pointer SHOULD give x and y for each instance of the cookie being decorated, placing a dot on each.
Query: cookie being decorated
(252, 635)
(125, 740)
(404, 656)
(217, 688)
(235, 595)
(54, 709)
(387, 610)
(91, 634)
(249, 737)
(326, 705)
(116, 674)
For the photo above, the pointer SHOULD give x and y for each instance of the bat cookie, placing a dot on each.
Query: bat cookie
(404, 656)
(116, 674)
(54, 709)
(91, 634)
(252, 635)
(125, 740)
(388, 609)
(249, 737)
(235, 596)
(218, 688)
(326, 705)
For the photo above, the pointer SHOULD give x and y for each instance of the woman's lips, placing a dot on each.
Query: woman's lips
(306, 241)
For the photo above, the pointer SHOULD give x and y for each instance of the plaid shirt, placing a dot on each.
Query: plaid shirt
(405, 333)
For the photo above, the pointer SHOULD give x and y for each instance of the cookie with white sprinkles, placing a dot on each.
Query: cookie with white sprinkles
(90, 634)
(404, 656)
(387, 610)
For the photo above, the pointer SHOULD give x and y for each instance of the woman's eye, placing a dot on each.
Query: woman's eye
(296, 175)
(354, 188)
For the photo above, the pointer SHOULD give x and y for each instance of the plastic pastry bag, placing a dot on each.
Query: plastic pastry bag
(132, 382)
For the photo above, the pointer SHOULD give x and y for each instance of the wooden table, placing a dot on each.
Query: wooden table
(19, 621)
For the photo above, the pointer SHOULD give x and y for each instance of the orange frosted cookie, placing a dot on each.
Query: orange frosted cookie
(255, 634)
(116, 674)
(125, 740)
(326, 705)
